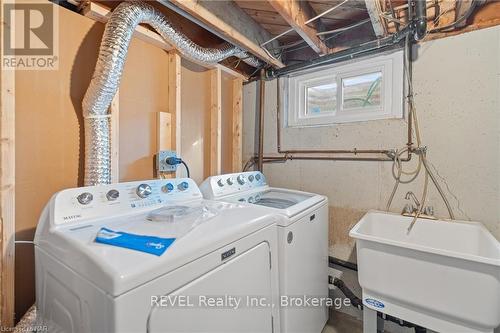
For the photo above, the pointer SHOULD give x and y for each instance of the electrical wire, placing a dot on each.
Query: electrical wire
(436, 19)
(306, 22)
(249, 164)
(322, 33)
(464, 17)
(391, 18)
(187, 168)
(302, 44)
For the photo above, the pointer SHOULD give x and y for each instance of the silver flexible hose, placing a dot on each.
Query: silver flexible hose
(109, 68)
(397, 165)
(438, 187)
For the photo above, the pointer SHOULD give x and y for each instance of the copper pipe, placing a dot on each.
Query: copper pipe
(389, 154)
(288, 153)
(270, 159)
(354, 151)
(336, 151)
(261, 118)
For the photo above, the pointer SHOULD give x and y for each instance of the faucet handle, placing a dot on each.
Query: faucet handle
(408, 209)
(429, 210)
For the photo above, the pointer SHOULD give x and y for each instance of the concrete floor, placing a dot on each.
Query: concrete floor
(342, 323)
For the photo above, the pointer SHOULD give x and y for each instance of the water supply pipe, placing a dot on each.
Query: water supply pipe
(318, 154)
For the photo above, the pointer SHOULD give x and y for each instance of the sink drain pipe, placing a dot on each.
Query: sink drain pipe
(358, 303)
(109, 68)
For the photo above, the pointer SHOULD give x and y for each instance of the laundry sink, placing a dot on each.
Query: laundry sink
(442, 275)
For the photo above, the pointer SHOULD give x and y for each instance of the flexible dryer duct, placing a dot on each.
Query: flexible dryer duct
(108, 71)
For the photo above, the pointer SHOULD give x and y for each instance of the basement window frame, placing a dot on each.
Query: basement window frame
(391, 67)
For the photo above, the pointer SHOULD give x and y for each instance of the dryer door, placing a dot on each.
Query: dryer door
(209, 303)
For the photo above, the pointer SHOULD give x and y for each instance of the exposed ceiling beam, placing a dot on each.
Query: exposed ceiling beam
(373, 8)
(99, 13)
(228, 32)
(235, 16)
(297, 13)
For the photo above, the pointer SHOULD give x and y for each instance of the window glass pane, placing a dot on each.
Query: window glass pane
(362, 91)
(321, 99)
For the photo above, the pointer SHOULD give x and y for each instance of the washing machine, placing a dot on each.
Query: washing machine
(218, 253)
(302, 244)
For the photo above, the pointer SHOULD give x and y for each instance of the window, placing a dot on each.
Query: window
(362, 91)
(322, 99)
(366, 89)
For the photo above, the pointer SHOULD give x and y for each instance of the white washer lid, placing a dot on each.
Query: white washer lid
(116, 270)
(279, 200)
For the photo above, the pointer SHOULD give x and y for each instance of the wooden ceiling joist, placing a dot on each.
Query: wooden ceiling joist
(235, 16)
(228, 32)
(297, 13)
(373, 8)
(100, 13)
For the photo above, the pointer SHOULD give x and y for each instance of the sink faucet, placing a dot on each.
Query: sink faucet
(410, 195)
(411, 210)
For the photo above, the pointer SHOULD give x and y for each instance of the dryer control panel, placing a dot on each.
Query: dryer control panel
(92, 202)
(222, 185)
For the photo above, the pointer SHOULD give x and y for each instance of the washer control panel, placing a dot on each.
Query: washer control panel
(222, 185)
(79, 204)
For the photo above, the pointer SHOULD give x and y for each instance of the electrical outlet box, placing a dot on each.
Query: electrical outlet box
(161, 164)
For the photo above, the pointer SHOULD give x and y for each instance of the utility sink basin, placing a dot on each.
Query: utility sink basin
(442, 275)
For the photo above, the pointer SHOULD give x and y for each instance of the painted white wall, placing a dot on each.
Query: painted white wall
(457, 94)
(195, 101)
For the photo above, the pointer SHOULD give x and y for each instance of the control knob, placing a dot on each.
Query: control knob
(168, 188)
(183, 186)
(220, 183)
(144, 191)
(250, 178)
(241, 179)
(258, 177)
(229, 181)
(85, 198)
(112, 195)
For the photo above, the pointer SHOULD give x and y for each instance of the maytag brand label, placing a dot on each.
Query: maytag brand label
(228, 254)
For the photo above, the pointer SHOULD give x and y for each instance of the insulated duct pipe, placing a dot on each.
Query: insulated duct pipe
(108, 71)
